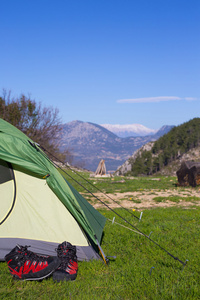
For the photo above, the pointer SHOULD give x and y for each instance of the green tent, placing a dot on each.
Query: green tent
(38, 206)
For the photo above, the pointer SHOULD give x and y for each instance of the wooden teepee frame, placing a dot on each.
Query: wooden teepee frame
(101, 169)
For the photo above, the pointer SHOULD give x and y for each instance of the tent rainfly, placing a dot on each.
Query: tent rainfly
(38, 206)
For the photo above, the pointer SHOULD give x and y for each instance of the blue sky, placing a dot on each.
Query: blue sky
(107, 62)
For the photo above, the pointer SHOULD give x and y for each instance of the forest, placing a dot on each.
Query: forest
(168, 148)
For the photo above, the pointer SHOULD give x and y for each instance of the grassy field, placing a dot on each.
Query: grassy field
(141, 269)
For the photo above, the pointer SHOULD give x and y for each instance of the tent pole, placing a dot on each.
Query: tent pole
(105, 259)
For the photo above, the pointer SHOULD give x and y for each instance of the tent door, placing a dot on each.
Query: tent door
(7, 190)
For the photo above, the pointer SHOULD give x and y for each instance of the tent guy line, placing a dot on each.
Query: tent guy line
(139, 231)
(88, 183)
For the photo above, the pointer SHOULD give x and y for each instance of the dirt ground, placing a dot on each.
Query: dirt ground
(144, 199)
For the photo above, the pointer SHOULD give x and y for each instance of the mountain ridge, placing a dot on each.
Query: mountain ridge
(89, 143)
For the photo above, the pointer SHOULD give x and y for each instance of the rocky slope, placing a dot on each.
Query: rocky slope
(170, 170)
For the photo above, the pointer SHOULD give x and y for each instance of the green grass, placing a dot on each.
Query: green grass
(142, 270)
(116, 184)
(128, 276)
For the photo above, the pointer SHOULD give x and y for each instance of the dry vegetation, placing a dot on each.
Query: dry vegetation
(147, 199)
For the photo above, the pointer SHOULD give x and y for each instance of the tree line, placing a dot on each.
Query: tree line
(40, 123)
(168, 148)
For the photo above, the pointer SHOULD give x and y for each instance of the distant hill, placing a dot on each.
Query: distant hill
(89, 143)
(167, 152)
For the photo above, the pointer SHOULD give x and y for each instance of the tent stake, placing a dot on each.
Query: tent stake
(150, 234)
(184, 264)
(151, 270)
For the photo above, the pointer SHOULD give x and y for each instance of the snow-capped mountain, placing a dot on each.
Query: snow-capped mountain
(127, 130)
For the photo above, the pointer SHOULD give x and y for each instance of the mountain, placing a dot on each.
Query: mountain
(128, 130)
(89, 143)
(165, 155)
(162, 131)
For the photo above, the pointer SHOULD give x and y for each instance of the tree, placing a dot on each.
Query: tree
(41, 124)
